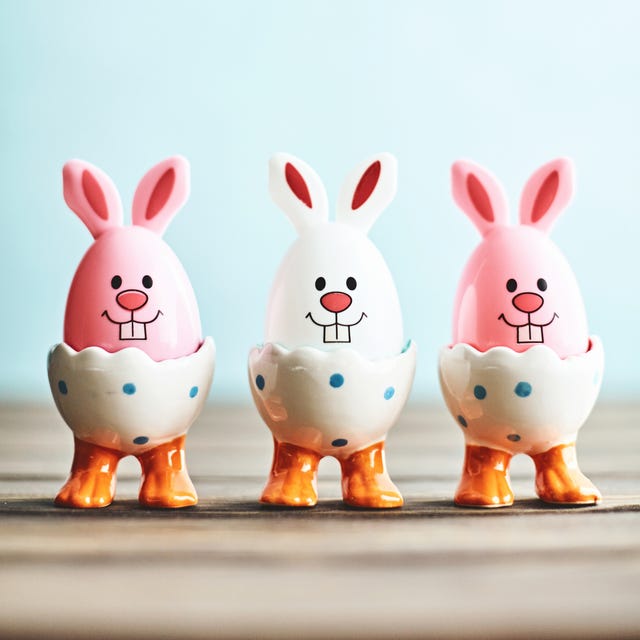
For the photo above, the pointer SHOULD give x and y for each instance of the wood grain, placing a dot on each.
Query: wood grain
(232, 568)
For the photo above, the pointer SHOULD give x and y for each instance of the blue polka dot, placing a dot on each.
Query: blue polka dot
(62, 387)
(514, 437)
(389, 393)
(141, 440)
(479, 392)
(336, 380)
(260, 382)
(339, 442)
(129, 388)
(523, 389)
(462, 421)
(193, 392)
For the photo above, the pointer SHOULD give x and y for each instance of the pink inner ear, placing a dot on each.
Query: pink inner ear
(366, 185)
(94, 195)
(546, 196)
(297, 184)
(161, 193)
(480, 198)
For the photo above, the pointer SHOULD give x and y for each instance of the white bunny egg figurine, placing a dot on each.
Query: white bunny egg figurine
(334, 371)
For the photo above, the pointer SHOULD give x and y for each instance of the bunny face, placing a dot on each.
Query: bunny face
(517, 289)
(333, 288)
(130, 289)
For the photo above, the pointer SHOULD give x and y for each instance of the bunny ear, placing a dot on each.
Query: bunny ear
(297, 189)
(367, 191)
(546, 194)
(90, 193)
(479, 194)
(161, 194)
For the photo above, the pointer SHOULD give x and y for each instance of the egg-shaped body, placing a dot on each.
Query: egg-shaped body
(333, 290)
(130, 290)
(517, 290)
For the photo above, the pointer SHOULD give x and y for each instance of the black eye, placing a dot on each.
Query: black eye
(351, 283)
(147, 282)
(512, 285)
(542, 284)
(321, 283)
(116, 282)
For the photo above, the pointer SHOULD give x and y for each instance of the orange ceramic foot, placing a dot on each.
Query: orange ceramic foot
(560, 481)
(366, 482)
(92, 480)
(293, 478)
(165, 481)
(485, 479)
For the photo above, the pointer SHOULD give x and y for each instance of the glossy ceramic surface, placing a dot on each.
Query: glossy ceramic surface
(520, 402)
(133, 371)
(522, 374)
(517, 289)
(125, 400)
(332, 402)
(130, 289)
(332, 376)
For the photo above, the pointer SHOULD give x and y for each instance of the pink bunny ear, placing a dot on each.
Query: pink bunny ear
(479, 194)
(297, 189)
(161, 194)
(90, 193)
(546, 194)
(367, 191)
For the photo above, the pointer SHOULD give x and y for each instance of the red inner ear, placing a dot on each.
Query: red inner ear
(94, 195)
(297, 184)
(480, 198)
(161, 193)
(366, 185)
(546, 196)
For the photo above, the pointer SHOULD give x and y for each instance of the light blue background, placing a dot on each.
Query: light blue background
(125, 84)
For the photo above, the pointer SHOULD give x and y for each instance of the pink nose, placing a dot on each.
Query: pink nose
(335, 301)
(132, 299)
(527, 302)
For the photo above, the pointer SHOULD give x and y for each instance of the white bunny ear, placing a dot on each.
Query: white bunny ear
(546, 194)
(161, 193)
(367, 191)
(479, 194)
(90, 193)
(297, 189)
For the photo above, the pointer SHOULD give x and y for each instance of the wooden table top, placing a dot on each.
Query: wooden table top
(231, 568)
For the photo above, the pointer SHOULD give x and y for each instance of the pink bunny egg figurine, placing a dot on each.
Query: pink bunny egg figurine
(335, 371)
(522, 374)
(133, 372)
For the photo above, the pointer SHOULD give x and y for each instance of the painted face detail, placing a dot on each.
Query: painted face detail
(336, 302)
(131, 300)
(528, 303)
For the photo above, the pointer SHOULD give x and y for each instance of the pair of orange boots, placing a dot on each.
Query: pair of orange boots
(166, 483)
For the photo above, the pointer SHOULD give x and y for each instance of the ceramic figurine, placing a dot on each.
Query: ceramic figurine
(522, 373)
(334, 371)
(133, 371)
